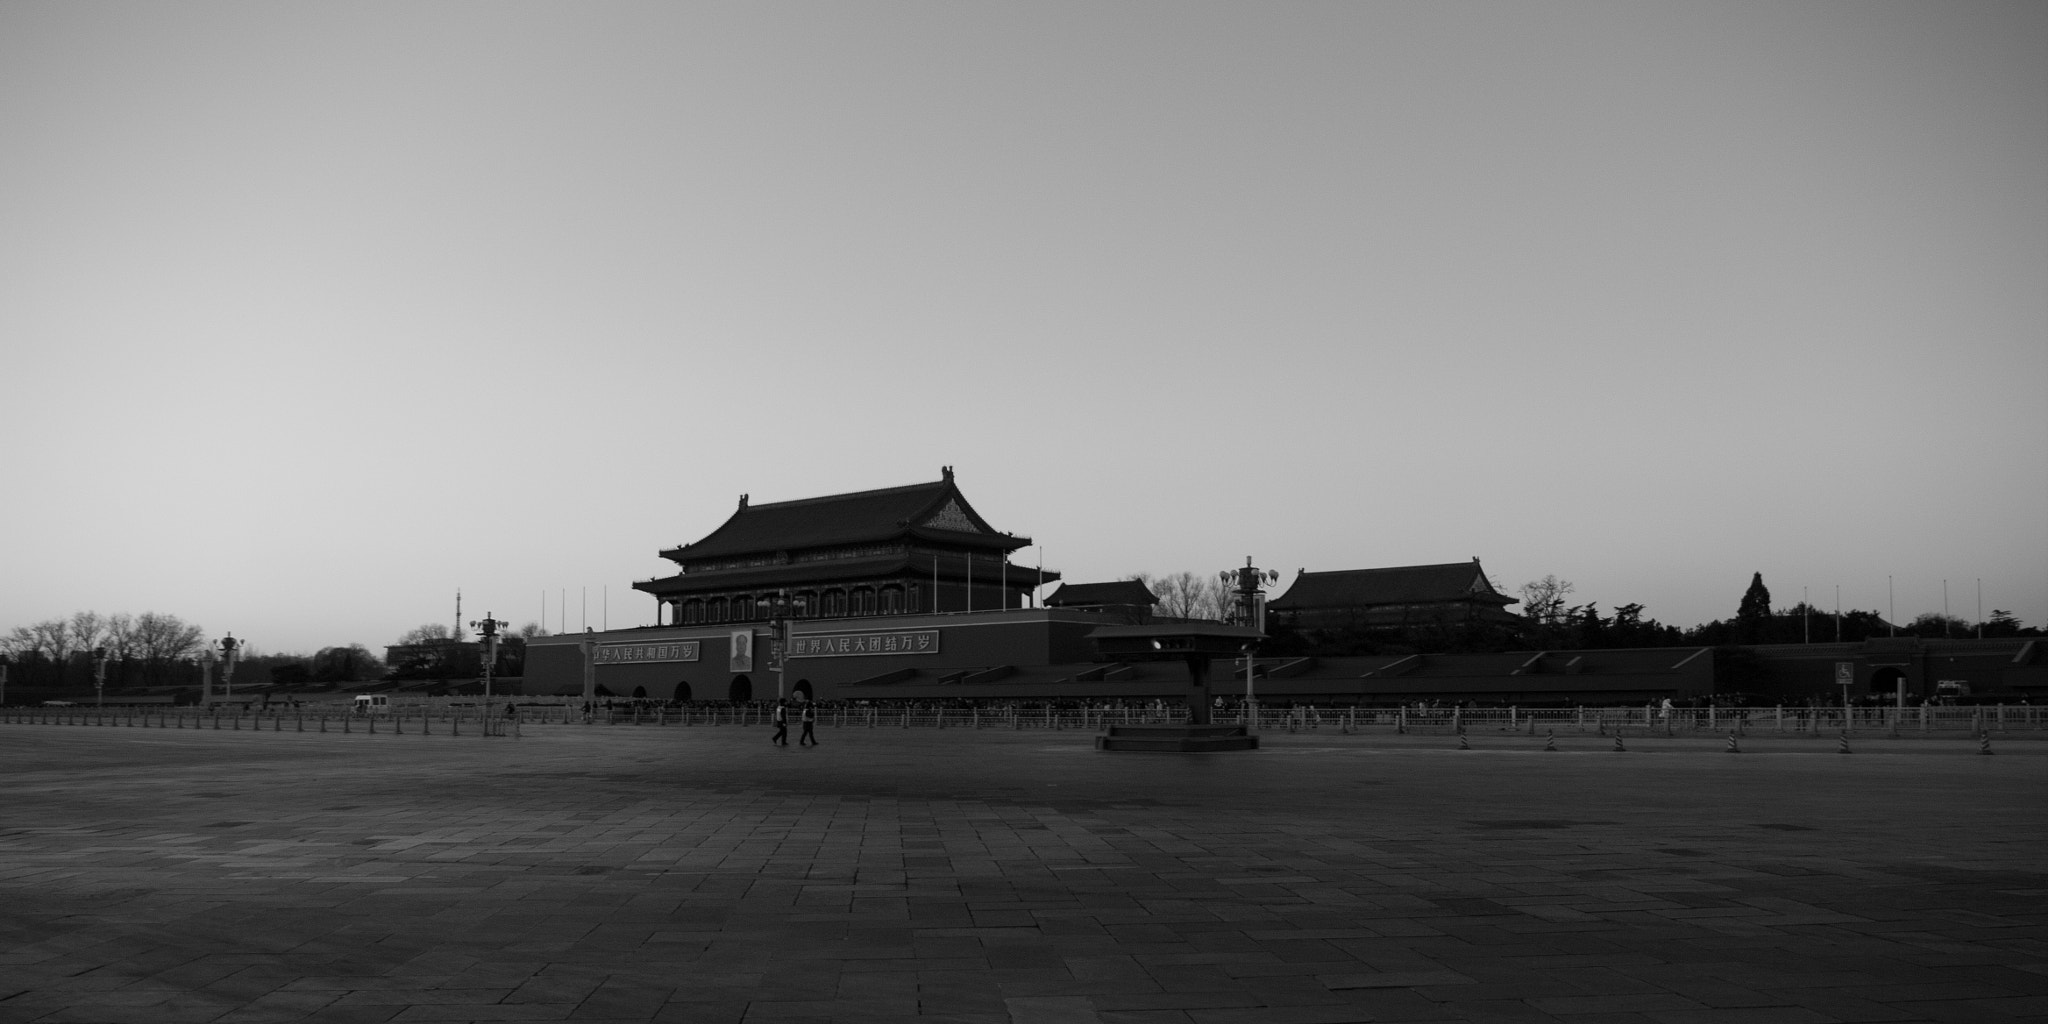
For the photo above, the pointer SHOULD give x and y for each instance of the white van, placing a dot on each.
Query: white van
(372, 704)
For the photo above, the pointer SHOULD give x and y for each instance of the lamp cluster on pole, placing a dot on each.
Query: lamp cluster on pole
(99, 677)
(1249, 586)
(487, 629)
(229, 651)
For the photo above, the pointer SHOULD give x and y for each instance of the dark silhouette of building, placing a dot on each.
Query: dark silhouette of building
(895, 551)
(1128, 600)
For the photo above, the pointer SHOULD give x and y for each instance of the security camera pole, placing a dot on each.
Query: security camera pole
(487, 631)
(1249, 585)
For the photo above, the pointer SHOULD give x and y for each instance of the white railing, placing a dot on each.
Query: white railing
(459, 720)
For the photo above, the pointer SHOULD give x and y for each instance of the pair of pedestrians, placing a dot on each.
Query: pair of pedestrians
(810, 720)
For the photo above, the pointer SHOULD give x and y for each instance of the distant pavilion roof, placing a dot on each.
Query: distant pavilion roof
(1396, 585)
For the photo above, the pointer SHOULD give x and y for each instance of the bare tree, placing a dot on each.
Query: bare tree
(426, 634)
(1186, 595)
(163, 640)
(53, 638)
(424, 651)
(120, 637)
(1220, 602)
(88, 630)
(19, 642)
(1543, 600)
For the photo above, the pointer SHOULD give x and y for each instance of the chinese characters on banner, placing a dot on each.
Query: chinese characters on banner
(830, 645)
(670, 650)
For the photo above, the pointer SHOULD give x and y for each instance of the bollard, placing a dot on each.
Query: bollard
(1550, 739)
(455, 726)
(373, 725)
(1618, 748)
(1733, 747)
(426, 725)
(1984, 743)
(216, 723)
(238, 723)
(398, 725)
(1843, 748)
(1463, 743)
(515, 728)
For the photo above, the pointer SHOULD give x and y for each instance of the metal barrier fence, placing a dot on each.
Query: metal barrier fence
(1924, 720)
(451, 722)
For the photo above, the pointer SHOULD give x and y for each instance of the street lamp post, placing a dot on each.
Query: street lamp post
(1248, 583)
(487, 630)
(99, 677)
(230, 650)
(778, 640)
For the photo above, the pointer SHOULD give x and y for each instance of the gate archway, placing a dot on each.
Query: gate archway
(742, 689)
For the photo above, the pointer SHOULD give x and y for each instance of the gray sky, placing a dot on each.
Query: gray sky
(312, 314)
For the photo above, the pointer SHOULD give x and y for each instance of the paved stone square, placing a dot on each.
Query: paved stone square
(625, 873)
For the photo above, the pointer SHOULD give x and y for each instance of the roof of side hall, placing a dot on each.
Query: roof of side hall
(1401, 584)
(933, 511)
(1121, 592)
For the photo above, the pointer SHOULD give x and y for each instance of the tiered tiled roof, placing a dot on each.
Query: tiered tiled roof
(1461, 582)
(933, 512)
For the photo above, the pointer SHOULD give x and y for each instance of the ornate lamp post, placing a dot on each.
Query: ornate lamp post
(230, 651)
(99, 677)
(487, 631)
(204, 662)
(589, 646)
(1249, 584)
(778, 639)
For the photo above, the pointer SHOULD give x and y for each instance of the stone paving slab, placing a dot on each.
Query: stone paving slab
(672, 874)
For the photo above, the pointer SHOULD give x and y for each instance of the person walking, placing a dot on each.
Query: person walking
(781, 736)
(809, 715)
